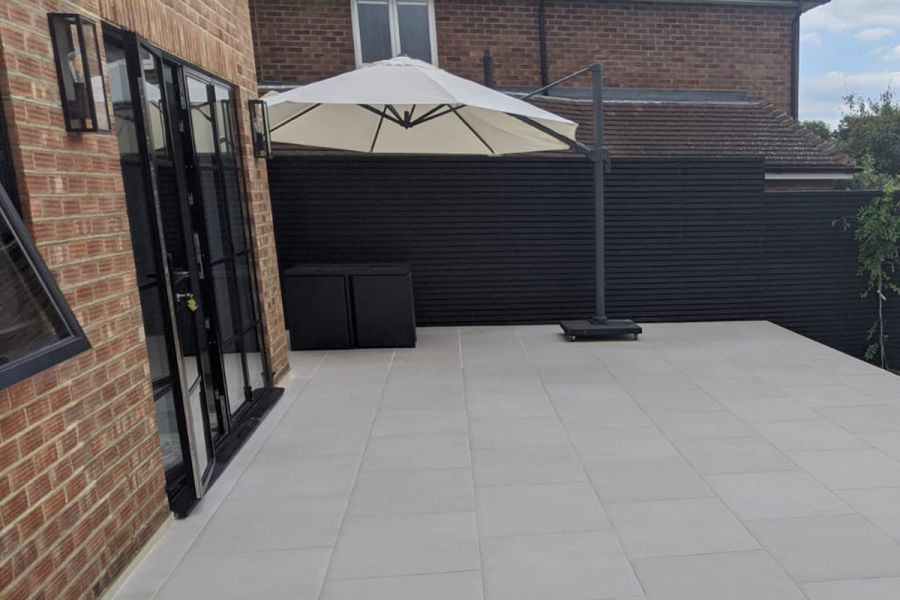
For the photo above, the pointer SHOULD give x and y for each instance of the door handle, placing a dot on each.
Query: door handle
(189, 301)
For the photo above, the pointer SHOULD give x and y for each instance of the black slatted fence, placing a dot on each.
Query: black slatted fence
(511, 240)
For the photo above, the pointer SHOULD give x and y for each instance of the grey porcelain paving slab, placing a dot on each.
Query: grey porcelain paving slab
(330, 410)
(757, 410)
(775, 495)
(520, 406)
(678, 527)
(856, 589)
(258, 524)
(887, 442)
(280, 575)
(420, 422)
(828, 548)
(701, 425)
(159, 563)
(587, 393)
(645, 479)
(602, 416)
(517, 433)
(822, 395)
(512, 466)
(545, 508)
(566, 566)
(466, 585)
(320, 440)
(397, 453)
(406, 545)
(864, 419)
(881, 506)
(739, 387)
(878, 384)
(613, 444)
(750, 575)
(794, 374)
(413, 492)
(736, 455)
(419, 400)
(659, 397)
(280, 474)
(808, 435)
(760, 412)
(849, 469)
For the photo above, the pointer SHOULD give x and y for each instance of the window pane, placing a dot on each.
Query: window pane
(222, 282)
(155, 120)
(225, 121)
(255, 368)
(97, 91)
(415, 36)
(7, 175)
(155, 331)
(169, 438)
(207, 167)
(140, 209)
(374, 30)
(234, 374)
(245, 291)
(28, 319)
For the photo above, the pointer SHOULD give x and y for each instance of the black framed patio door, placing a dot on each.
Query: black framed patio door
(177, 140)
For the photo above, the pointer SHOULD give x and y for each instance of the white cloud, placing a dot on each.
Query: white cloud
(885, 53)
(813, 39)
(821, 98)
(844, 15)
(874, 34)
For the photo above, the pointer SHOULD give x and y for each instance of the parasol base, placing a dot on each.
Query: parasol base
(600, 328)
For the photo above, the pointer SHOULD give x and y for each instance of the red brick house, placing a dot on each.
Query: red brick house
(141, 328)
(736, 59)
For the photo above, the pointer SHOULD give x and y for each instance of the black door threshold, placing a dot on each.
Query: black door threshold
(264, 399)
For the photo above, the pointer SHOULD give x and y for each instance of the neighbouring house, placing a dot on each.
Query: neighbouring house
(719, 203)
(685, 77)
(141, 330)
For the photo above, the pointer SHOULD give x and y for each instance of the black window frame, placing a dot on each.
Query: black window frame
(57, 352)
(7, 172)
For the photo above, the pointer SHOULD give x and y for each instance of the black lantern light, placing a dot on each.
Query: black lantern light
(78, 68)
(259, 128)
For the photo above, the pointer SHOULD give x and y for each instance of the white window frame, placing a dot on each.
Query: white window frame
(394, 24)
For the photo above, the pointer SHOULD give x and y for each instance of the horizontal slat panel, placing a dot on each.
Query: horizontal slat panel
(510, 240)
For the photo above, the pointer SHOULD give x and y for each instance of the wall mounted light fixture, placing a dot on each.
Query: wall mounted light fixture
(259, 128)
(76, 49)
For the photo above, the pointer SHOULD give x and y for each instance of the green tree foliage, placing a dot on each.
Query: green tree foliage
(870, 132)
(820, 128)
(877, 233)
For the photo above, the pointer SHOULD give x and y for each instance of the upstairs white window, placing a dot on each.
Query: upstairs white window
(387, 28)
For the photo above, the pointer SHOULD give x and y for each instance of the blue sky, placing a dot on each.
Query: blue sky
(847, 46)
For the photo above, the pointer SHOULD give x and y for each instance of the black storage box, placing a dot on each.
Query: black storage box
(317, 308)
(331, 306)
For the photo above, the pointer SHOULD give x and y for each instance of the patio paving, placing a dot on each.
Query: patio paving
(706, 461)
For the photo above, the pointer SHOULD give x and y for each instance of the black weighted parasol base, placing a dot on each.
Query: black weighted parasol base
(600, 329)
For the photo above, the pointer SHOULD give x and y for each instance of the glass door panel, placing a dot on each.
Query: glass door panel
(219, 258)
(148, 252)
(243, 258)
(186, 275)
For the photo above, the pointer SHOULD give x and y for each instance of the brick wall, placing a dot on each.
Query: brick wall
(81, 480)
(642, 44)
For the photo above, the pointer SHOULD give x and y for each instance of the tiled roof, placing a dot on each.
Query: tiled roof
(666, 129)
